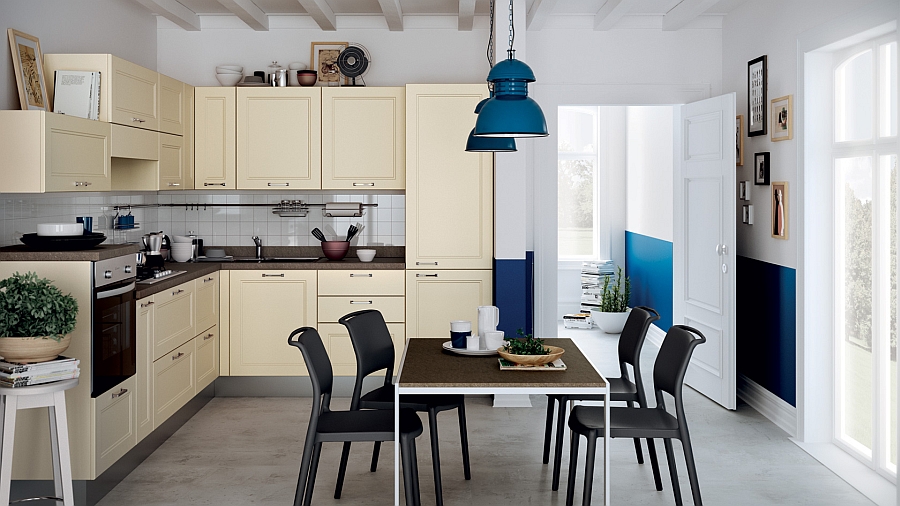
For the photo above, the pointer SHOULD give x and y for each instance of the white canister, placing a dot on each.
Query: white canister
(473, 343)
(460, 326)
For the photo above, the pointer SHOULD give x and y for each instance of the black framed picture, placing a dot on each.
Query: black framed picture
(757, 96)
(761, 168)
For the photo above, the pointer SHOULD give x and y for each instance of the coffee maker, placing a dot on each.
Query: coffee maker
(152, 246)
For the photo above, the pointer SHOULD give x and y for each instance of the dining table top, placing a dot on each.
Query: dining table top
(427, 364)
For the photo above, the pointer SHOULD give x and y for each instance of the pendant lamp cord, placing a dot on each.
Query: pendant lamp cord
(512, 30)
(490, 47)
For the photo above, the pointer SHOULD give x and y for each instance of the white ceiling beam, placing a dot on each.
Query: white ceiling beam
(321, 14)
(174, 12)
(684, 13)
(611, 12)
(249, 13)
(466, 15)
(538, 14)
(393, 14)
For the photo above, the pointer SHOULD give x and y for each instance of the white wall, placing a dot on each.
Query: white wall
(121, 27)
(649, 172)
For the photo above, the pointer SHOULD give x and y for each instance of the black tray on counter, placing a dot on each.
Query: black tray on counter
(62, 242)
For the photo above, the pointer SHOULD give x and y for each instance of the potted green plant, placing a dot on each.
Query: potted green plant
(35, 319)
(528, 350)
(613, 310)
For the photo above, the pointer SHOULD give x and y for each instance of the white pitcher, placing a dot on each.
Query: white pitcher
(488, 319)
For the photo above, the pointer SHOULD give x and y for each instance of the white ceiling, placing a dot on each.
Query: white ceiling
(186, 13)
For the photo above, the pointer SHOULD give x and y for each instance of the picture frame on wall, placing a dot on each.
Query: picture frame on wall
(739, 140)
(323, 58)
(747, 214)
(782, 115)
(780, 210)
(28, 65)
(761, 168)
(744, 190)
(757, 96)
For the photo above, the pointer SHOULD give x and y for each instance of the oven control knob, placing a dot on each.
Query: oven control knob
(127, 269)
(107, 274)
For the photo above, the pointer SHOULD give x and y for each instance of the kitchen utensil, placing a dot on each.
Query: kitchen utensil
(270, 71)
(183, 238)
(180, 254)
(60, 243)
(229, 67)
(152, 243)
(229, 79)
(365, 255)
(59, 229)
(493, 339)
(351, 232)
(279, 78)
(165, 247)
(335, 250)
(488, 319)
(307, 77)
(318, 234)
(473, 343)
(297, 66)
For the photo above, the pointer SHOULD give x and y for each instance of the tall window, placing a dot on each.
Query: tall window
(578, 183)
(864, 155)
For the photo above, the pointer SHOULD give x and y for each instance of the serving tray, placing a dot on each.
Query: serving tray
(462, 351)
(62, 242)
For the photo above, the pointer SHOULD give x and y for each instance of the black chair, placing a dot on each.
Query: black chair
(668, 376)
(326, 425)
(374, 350)
(631, 341)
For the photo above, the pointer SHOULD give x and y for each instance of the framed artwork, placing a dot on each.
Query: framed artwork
(739, 140)
(28, 65)
(747, 214)
(757, 97)
(780, 210)
(782, 119)
(323, 58)
(744, 188)
(761, 168)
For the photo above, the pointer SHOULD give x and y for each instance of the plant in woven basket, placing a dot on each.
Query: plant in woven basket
(34, 307)
(524, 345)
(615, 294)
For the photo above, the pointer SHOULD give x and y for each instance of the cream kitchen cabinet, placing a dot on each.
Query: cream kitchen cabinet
(444, 184)
(188, 135)
(174, 381)
(434, 298)
(279, 138)
(207, 294)
(46, 152)
(174, 317)
(340, 348)
(215, 121)
(171, 162)
(144, 367)
(115, 424)
(363, 138)
(207, 358)
(173, 109)
(265, 307)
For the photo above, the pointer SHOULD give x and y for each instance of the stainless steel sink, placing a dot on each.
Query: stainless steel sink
(275, 259)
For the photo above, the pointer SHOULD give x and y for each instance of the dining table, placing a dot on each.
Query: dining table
(427, 367)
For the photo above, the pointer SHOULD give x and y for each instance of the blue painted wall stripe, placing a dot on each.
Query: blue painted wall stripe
(648, 264)
(766, 318)
(514, 293)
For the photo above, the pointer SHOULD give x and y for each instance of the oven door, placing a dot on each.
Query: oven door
(113, 350)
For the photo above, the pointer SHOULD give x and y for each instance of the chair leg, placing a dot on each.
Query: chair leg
(548, 429)
(375, 452)
(557, 456)
(573, 464)
(314, 466)
(654, 463)
(637, 442)
(414, 472)
(303, 478)
(342, 470)
(692, 470)
(464, 439)
(435, 456)
(589, 457)
(673, 472)
(407, 471)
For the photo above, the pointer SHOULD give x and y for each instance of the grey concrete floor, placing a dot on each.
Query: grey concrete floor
(238, 451)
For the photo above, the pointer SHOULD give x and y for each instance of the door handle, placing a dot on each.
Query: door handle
(273, 275)
(213, 184)
(120, 393)
(360, 301)
(724, 268)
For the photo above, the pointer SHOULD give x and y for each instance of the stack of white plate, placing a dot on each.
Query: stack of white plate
(229, 75)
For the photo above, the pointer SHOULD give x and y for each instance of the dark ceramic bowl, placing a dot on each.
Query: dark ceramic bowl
(306, 77)
(335, 250)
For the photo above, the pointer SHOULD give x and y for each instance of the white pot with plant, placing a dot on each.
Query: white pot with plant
(35, 319)
(613, 310)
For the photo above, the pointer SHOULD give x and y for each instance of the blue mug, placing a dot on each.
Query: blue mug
(87, 222)
(458, 339)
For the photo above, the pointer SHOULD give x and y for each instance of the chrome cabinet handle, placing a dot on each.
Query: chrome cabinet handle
(426, 275)
(139, 120)
(208, 280)
(208, 337)
(174, 184)
(273, 275)
(363, 184)
(279, 184)
(361, 275)
(177, 292)
(83, 183)
(120, 393)
(427, 263)
(213, 184)
(360, 301)
(148, 304)
(176, 357)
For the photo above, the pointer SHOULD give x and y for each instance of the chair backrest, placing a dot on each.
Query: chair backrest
(371, 340)
(632, 338)
(318, 364)
(672, 362)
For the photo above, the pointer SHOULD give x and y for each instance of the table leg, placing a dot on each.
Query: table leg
(606, 441)
(10, 405)
(396, 446)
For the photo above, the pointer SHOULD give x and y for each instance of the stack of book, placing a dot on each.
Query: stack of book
(592, 274)
(77, 93)
(23, 375)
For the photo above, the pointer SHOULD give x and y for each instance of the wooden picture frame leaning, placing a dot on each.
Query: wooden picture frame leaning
(28, 65)
(330, 76)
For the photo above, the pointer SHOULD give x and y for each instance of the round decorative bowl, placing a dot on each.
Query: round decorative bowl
(31, 350)
(335, 250)
(307, 77)
(365, 255)
(554, 353)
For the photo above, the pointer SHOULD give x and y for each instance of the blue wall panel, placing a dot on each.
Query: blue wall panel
(648, 264)
(767, 326)
(514, 293)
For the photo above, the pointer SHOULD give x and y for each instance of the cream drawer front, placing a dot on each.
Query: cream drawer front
(340, 348)
(207, 290)
(380, 282)
(137, 143)
(207, 369)
(174, 318)
(134, 95)
(173, 382)
(393, 309)
(115, 424)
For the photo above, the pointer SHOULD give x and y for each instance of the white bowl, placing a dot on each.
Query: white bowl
(297, 66)
(45, 229)
(226, 71)
(182, 239)
(181, 246)
(181, 256)
(229, 79)
(229, 67)
(365, 255)
(215, 252)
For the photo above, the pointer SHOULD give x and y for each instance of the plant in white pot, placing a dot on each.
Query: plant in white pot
(35, 319)
(613, 310)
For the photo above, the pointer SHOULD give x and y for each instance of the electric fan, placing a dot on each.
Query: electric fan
(353, 63)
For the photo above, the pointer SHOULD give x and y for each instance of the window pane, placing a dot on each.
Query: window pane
(853, 98)
(576, 207)
(889, 163)
(888, 88)
(577, 129)
(854, 176)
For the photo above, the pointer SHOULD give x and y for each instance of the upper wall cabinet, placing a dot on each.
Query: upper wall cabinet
(214, 138)
(279, 138)
(172, 110)
(363, 138)
(129, 93)
(47, 152)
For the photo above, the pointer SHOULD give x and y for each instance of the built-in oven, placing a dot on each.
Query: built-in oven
(113, 346)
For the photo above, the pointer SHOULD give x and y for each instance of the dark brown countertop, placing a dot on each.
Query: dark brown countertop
(427, 364)
(22, 253)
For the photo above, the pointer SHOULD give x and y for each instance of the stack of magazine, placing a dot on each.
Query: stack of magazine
(592, 275)
(77, 93)
(23, 375)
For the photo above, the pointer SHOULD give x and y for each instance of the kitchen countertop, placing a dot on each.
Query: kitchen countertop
(102, 252)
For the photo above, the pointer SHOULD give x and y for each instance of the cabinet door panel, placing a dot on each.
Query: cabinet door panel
(435, 298)
(340, 348)
(207, 370)
(174, 319)
(77, 154)
(115, 424)
(331, 309)
(214, 138)
(173, 378)
(144, 373)
(171, 162)
(188, 135)
(171, 105)
(134, 95)
(380, 282)
(207, 289)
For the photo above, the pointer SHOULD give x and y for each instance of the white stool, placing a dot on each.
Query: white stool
(52, 396)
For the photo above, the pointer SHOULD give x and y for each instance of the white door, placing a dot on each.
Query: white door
(704, 241)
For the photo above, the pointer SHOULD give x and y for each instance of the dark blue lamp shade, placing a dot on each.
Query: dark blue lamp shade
(510, 112)
(490, 144)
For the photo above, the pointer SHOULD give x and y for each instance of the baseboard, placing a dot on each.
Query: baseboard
(768, 404)
(860, 476)
(655, 335)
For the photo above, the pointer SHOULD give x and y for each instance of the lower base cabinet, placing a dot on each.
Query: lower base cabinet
(207, 357)
(435, 298)
(340, 348)
(115, 423)
(174, 382)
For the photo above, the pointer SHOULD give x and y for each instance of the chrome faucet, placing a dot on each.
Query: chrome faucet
(258, 243)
